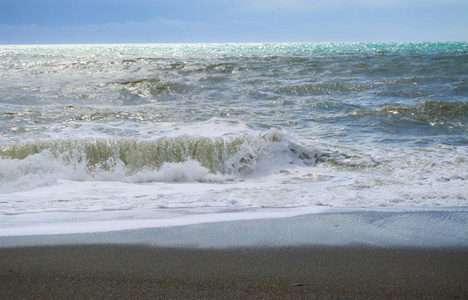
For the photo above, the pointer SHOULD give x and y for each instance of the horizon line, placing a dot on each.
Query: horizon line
(251, 42)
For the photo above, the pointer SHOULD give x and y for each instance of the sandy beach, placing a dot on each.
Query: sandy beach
(138, 272)
(362, 254)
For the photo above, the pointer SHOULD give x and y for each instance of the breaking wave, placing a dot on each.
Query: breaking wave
(434, 113)
(151, 87)
(180, 158)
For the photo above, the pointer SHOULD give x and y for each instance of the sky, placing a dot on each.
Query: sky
(193, 21)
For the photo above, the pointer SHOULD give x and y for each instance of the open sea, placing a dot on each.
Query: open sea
(108, 134)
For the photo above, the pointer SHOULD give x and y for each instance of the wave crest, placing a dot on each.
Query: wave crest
(180, 158)
(434, 113)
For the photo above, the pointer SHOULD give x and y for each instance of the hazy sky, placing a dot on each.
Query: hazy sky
(158, 21)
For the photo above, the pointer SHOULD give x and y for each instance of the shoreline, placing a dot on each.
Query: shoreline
(308, 272)
(431, 228)
(359, 254)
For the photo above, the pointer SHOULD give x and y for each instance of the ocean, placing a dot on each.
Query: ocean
(104, 137)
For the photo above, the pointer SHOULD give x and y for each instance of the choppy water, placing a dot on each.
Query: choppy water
(237, 126)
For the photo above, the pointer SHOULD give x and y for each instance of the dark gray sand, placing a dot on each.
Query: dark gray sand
(139, 272)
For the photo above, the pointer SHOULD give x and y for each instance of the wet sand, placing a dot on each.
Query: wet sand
(362, 254)
(307, 272)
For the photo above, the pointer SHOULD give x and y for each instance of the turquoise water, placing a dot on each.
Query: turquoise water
(138, 49)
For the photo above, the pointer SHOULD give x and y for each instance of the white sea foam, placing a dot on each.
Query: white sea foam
(269, 165)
